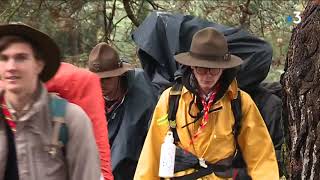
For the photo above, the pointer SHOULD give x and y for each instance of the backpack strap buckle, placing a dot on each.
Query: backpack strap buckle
(59, 135)
(202, 163)
(172, 123)
(175, 92)
(174, 97)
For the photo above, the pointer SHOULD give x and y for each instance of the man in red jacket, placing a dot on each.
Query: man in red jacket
(83, 88)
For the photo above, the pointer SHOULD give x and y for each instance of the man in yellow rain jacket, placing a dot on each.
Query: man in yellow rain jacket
(209, 86)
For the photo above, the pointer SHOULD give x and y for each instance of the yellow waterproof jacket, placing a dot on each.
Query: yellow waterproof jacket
(216, 142)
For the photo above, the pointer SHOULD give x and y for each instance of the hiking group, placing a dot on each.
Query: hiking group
(114, 121)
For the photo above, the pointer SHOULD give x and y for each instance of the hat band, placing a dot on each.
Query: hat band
(225, 57)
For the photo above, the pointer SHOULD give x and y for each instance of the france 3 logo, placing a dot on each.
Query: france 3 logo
(295, 18)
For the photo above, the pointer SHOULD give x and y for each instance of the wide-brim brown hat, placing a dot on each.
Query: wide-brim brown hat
(208, 49)
(117, 72)
(105, 62)
(48, 48)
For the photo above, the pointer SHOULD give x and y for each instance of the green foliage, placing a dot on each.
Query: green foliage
(78, 25)
(274, 74)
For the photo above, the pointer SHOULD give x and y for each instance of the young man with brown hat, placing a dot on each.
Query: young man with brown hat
(130, 100)
(31, 119)
(203, 125)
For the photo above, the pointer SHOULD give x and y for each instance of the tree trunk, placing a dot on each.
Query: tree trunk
(301, 97)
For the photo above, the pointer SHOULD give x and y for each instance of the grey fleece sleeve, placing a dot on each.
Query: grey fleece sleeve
(81, 152)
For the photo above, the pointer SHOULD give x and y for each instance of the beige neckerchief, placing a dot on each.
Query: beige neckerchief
(16, 114)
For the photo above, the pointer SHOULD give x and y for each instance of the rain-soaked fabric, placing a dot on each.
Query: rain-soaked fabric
(162, 35)
(128, 124)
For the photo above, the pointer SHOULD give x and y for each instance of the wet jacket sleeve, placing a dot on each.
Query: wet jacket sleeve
(271, 113)
(255, 143)
(81, 151)
(148, 165)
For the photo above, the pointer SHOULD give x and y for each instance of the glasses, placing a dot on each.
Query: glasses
(211, 71)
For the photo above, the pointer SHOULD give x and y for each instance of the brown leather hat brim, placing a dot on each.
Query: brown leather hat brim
(49, 49)
(187, 59)
(116, 72)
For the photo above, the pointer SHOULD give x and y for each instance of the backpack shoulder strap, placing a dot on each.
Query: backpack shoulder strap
(237, 114)
(59, 136)
(238, 161)
(174, 97)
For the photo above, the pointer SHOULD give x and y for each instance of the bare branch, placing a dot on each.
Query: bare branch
(105, 19)
(245, 15)
(154, 5)
(127, 8)
(115, 24)
(14, 11)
